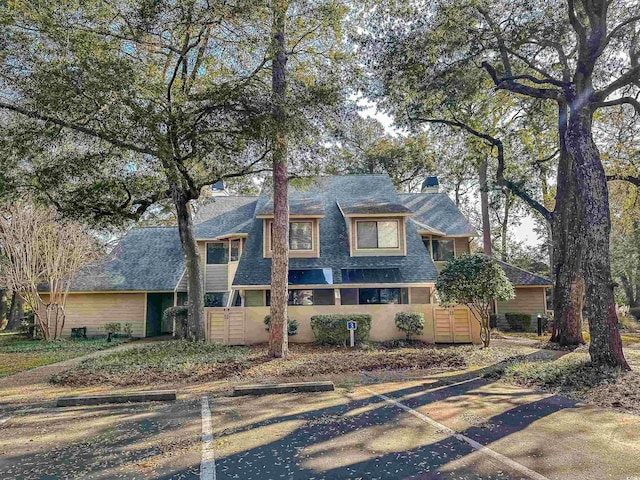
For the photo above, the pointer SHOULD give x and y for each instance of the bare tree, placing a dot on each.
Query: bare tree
(42, 255)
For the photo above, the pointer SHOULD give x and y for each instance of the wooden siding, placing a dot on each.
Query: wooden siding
(530, 300)
(93, 310)
(216, 278)
(461, 245)
(183, 283)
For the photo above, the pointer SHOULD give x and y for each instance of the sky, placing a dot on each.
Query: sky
(522, 233)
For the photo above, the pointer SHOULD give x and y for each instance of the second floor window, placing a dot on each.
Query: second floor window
(217, 253)
(378, 234)
(300, 235)
(443, 250)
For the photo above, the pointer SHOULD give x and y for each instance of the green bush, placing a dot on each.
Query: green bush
(411, 323)
(519, 322)
(177, 316)
(112, 327)
(332, 329)
(292, 325)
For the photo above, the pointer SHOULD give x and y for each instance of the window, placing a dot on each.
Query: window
(312, 276)
(322, 296)
(300, 235)
(382, 296)
(216, 299)
(378, 234)
(442, 250)
(217, 253)
(235, 250)
(349, 296)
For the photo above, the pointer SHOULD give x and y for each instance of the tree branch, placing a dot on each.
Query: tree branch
(495, 142)
(623, 80)
(509, 83)
(78, 128)
(625, 178)
(620, 101)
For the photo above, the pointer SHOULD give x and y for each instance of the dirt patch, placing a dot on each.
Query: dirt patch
(170, 363)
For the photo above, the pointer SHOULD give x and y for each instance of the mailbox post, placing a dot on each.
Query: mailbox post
(351, 326)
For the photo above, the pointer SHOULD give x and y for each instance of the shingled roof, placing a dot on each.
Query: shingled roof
(224, 216)
(415, 267)
(438, 211)
(519, 277)
(145, 259)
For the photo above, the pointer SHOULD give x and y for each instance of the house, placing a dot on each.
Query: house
(356, 245)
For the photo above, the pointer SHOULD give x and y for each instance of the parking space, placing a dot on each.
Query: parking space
(153, 440)
(438, 427)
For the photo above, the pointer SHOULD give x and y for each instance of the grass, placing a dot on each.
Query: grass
(18, 354)
(180, 361)
(163, 361)
(570, 373)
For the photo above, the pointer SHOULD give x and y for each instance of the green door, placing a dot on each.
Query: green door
(157, 303)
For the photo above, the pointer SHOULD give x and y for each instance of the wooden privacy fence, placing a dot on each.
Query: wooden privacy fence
(226, 325)
(244, 325)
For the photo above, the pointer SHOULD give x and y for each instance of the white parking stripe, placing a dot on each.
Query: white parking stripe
(208, 463)
(475, 445)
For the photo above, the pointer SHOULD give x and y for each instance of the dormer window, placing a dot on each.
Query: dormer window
(303, 238)
(381, 236)
(378, 234)
(301, 235)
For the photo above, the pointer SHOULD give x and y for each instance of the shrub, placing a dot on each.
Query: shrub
(127, 329)
(411, 323)
(292, 325)
(177, 316)
(493, 321)
(332, 329)
(519, 322)
(112, 327)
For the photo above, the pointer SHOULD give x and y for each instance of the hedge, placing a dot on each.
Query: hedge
(410, 323)
(519, 322)
(292, 325)
(332, 329)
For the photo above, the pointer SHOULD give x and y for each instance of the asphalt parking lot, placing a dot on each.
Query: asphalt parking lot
(438, 427)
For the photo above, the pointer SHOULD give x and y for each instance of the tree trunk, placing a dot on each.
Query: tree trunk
(567, 248)
(484, 206)
(504, 254)
(3, 307)
(16, 312)
(278, 340)
(195, 324)
(593, 201)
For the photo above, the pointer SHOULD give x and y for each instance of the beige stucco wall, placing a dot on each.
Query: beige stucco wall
(382, 326)
(93, 310)
(530, 300)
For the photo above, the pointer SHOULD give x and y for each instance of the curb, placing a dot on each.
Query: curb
(158, 396)
(277, 388)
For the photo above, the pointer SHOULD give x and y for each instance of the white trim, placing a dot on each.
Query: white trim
(208, 463)
(181, 277)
